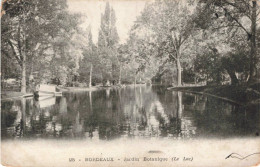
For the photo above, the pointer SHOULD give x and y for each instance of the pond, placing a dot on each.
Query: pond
(141, 112)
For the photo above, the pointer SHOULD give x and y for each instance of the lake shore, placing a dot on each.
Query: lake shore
(71, 89)
(5, 95)
(93, 88)
(247, 95)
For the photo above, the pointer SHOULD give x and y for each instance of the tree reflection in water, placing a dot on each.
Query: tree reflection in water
(132, 112)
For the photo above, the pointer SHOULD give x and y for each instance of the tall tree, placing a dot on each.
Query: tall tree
(233, 15)
(142, 53)
(170, 22)
(29, 28)
(108, 38)
(90, 61)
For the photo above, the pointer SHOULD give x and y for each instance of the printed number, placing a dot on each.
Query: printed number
(71, 159)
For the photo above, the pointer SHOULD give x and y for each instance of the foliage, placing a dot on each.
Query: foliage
(208, 67)
(34, 32)
(90, 58)
(232, 16)
(107, 43)
(170, 25)
(171, 42)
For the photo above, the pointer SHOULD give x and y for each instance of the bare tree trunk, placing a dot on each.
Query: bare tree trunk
(120, 71)
(22, 53)
(253, 43)
(90, 76)
(23, 83)
(233, 77)
(179, 71)
(135, 79)
(113, 75)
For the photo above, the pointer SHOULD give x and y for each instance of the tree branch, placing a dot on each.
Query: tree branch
(19, 42)
(246, 2)
(240, 25)
(14, 52)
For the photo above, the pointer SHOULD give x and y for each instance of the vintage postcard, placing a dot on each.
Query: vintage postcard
(130, 83)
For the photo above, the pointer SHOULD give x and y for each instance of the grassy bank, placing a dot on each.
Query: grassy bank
(71, 89)
(248, 95)
(93, 88)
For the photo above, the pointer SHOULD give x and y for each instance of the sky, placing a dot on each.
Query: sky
(126, 13)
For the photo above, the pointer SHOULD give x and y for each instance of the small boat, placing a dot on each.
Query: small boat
(47, 90)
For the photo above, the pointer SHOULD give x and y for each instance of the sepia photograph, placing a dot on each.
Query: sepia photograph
(135, 83)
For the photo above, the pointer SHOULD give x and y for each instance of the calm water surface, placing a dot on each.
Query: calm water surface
(131, 112)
